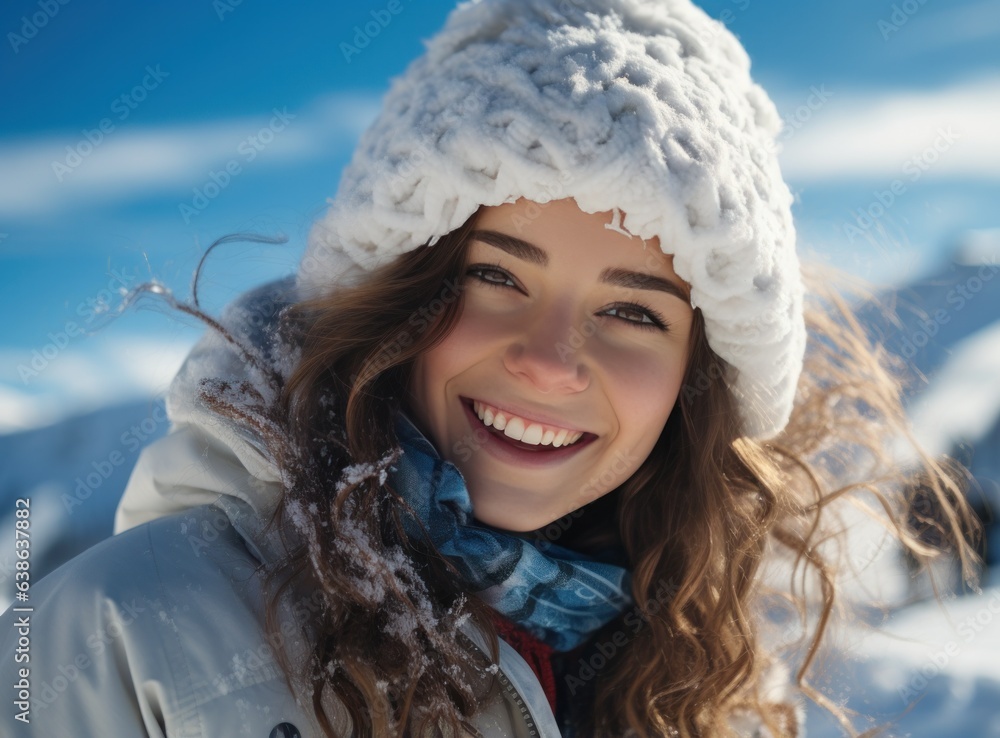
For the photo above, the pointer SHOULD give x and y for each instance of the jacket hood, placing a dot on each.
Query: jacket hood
(208, 459)
(211, 459)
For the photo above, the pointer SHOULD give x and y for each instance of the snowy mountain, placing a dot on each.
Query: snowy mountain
(74, 473)
(947, 327)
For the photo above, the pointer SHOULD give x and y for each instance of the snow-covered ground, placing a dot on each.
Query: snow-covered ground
(930, 671)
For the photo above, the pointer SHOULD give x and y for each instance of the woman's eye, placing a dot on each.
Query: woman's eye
(499, 277)
(638, 316)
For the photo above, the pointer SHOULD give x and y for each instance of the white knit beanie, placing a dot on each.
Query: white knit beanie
(644, 106)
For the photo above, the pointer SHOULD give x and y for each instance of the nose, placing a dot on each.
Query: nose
(549, 354)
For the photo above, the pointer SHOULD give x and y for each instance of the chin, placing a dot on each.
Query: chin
(509, 526)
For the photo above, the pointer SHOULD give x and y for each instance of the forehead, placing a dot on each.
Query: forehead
(563, 230)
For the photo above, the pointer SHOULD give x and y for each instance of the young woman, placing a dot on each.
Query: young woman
(507, 456)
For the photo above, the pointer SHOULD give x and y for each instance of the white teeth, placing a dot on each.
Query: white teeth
(534, 434)
(514, 429)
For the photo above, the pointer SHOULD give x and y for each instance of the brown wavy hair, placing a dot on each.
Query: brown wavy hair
(696, 520)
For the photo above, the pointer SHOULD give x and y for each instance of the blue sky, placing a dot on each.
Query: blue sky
(883, 102)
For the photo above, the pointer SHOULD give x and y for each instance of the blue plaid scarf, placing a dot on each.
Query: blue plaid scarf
(560, 596)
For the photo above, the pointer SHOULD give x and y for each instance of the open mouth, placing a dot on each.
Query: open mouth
(510, 449)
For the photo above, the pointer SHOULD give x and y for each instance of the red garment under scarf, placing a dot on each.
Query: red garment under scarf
(537, 654)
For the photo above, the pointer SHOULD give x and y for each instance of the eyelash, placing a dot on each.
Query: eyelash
(658, 321)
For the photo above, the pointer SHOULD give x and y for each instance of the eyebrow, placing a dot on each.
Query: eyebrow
(526, 251)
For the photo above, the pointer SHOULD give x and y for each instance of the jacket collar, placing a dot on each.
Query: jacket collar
(407, 432)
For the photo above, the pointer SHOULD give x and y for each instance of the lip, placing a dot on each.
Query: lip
(510, 454)
(528, 415)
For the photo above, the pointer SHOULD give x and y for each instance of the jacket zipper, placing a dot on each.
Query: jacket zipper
(510, 690)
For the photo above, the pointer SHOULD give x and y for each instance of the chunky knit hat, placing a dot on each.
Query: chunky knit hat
(641, 106)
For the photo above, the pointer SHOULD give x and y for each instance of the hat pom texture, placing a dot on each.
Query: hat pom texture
(638, 105)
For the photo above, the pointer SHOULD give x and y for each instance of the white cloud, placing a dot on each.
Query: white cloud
(132, 159)
(81, 379)
(928, 134)
(951, 26)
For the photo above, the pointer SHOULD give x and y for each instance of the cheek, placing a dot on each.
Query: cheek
(642, 395)
(476, 336)
(430, 375)
(643, 386)
(434, 369)
(482, 322)
(455, 353)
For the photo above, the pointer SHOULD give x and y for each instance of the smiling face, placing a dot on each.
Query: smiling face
(569, 330)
